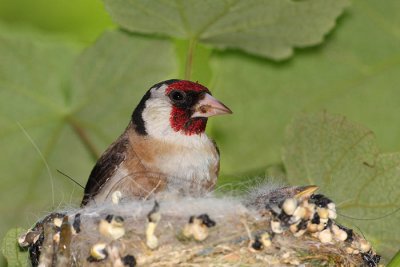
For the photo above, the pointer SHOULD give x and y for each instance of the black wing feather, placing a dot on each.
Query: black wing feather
(105, 168)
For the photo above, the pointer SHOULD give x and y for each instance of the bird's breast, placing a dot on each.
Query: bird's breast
(191, 163)
(188, 170)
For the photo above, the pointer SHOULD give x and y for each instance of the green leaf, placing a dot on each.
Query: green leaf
(267, 28)
(343, 159)
(12, 252)
(355, 73)
(67, 117)
(34, 80)
(395, 261)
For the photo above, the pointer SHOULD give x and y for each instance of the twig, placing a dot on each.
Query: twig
(80, 131)
(189, 58)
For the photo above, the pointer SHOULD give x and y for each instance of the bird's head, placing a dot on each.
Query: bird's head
(176, 107)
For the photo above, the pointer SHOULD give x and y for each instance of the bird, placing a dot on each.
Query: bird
(164, 148)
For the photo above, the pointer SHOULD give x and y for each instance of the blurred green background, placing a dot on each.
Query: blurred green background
(49, 56)
(78, 21)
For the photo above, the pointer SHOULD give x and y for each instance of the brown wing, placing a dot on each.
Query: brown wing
(219, 155)
(105, 168)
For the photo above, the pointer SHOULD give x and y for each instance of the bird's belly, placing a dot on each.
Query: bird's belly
(189, 169)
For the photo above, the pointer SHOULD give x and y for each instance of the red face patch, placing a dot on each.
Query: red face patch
(186, 86)
(180, 119)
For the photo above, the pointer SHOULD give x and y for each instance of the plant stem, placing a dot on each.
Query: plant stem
(83, 136)
(189, 58)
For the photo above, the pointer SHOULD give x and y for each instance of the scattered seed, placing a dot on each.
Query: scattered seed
(206, 220)
(323, 213)
(98, 252)
(312, 227)
(332, 211)
(364, 246)
(116, 197)
(198, 227)
(28, 238)
(320, 200)
(325, 236)
(57, 222)
(338, 233)
(276, 227)
(298, 214)
(348, 231)
(151, 239)
(129, 261)
(289, 206)
(153, 218)
(257, 245)
(112, 227)
(265, 239)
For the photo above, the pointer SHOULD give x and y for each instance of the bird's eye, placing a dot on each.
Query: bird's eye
(177, 96)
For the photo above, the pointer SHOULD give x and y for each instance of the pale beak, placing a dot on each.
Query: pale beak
(209, 106)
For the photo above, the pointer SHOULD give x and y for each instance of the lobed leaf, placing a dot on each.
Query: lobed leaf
(354, 73)
(34, 84)
(269, 28)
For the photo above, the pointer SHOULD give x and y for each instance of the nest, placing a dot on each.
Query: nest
(280, 227)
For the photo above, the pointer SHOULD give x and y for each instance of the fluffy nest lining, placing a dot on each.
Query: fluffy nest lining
(280, 227)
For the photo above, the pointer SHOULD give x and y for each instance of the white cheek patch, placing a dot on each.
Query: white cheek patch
(156, 117)
(156, 114)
